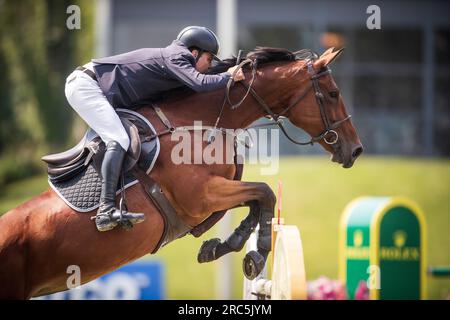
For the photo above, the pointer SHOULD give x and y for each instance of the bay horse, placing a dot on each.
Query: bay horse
(40, 238)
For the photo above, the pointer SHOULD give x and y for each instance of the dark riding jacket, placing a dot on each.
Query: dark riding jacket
(139, 77)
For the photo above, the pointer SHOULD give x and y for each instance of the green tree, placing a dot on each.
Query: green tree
(37, 52)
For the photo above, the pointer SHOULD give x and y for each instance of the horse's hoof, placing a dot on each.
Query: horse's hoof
(253, 264)
(207, 251)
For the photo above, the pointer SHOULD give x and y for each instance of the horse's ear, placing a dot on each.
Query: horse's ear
(327, 57)
(329, 50)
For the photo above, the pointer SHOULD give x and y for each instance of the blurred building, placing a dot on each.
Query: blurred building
(395, 81)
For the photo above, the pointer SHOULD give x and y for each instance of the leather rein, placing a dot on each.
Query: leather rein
(277, 118)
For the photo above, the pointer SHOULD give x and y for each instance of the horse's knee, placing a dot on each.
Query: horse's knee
(268, 196)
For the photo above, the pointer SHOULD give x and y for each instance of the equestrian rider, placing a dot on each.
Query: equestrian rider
(130, 80)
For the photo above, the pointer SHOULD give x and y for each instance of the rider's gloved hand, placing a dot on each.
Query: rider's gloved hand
(239, 74)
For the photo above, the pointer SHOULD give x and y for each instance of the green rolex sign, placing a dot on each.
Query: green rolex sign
(383, 245)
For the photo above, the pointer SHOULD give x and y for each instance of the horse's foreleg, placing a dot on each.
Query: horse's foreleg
(214, 248)
(224, 194)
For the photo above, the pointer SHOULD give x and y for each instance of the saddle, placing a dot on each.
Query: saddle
(75, 174)
(65, 165)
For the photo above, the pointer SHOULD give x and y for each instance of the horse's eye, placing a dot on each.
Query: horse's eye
(334, 94)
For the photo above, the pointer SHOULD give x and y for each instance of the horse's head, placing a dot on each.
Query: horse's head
(304, 91)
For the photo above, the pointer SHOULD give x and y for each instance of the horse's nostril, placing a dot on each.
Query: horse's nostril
(357, 152)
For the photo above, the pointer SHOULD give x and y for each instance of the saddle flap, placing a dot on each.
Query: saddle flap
(61, 158)
(72, 155)
(134, 150)
(79, 183)
(65, 173)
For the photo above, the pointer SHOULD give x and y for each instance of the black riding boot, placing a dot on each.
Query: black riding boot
(108, 216)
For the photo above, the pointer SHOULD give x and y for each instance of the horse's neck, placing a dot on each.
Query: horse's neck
(245, 114)
(272, 86)
(206, 108)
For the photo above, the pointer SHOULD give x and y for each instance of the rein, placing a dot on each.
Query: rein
(277, 119)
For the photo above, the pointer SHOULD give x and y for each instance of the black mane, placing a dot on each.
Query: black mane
(262, 55)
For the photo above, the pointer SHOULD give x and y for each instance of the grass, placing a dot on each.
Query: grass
(315, 193)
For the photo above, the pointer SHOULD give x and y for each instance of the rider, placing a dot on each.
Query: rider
(132, 79)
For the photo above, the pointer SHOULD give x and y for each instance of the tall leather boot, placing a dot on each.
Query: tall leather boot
(108, 217)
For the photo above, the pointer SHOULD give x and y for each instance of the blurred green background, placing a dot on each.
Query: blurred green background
(315, 192)
(37, 53)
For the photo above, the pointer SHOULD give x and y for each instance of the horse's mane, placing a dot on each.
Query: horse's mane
(260, 55)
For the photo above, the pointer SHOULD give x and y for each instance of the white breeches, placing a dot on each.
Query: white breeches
(87, 99)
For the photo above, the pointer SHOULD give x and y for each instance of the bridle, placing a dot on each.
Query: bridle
(277, 118)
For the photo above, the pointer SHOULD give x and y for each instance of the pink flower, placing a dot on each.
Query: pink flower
(362, 292)
(326, 289)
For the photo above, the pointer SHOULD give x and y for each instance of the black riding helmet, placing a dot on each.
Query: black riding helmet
(200, 37)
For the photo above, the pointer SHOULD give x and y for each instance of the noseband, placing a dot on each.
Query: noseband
(277, 118)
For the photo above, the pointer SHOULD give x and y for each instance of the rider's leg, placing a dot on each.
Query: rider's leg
(87, 99)
(107, 214)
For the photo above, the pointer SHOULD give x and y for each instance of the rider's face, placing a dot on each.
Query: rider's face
(204, 62)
